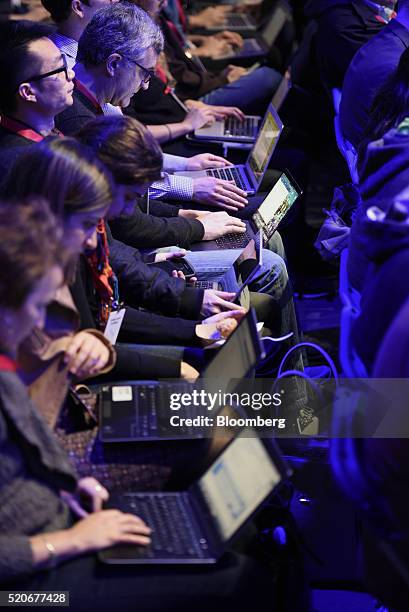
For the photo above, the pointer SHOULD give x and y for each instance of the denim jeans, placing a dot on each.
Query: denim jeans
(251, 93)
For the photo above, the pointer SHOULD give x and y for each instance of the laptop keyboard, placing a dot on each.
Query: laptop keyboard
(233, 241)
(153, 410)
(236, 21)
(228, 174)
(248, 127)
(207, 285)
(173, 534)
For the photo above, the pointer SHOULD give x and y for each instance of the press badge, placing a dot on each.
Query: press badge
(113, 326)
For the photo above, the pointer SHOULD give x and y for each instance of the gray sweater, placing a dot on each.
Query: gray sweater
(33, 468)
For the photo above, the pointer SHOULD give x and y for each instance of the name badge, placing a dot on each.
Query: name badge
(113, 326)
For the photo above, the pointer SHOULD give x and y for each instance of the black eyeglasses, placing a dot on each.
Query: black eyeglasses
(147, 74)
(63, 68)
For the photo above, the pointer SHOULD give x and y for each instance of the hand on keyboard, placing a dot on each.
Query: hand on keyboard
(205, 161)
(232, 38)
(217, 301)
(216, 192)
(106, 528)
(220, 223)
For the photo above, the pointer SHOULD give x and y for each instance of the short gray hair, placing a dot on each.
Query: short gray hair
(119, 28)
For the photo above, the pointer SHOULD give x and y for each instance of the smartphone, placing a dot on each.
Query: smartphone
(177, 263)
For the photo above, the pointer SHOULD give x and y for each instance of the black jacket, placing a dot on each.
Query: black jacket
(76, 115)
(138, 326)
(192, 82)
(141, 231)
(343, 27)
(153, 106)
(147, 231)
(11, 147)
(148, 286)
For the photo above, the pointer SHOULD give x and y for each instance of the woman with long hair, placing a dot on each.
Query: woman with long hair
(49, 537)
(87, 194)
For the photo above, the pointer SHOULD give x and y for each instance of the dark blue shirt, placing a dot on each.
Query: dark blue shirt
(369, 69)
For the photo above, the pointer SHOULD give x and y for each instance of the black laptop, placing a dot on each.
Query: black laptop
(266, 219)
(141, 411)
(267, 35)
(241, 22)
(197, 525)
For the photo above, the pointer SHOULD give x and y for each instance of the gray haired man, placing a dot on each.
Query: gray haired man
(117, 54)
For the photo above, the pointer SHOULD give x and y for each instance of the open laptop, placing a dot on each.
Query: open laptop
(239, 22)
(249, 176)
(267, 35)
(266, 218)
(136, 411)
(197, 525)
(282, 90)
(232, 129)
(231, 280)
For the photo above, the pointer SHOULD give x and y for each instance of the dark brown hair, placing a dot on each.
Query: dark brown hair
(66, 173)
(29, 246)
(126, 147)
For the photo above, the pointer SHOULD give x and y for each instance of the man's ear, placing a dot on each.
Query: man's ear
(77, 8)
(27, 93)
(112, 63)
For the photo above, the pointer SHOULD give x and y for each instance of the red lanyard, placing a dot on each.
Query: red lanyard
(26, 131)
(7, 364)
(176, 33)
(90, 96)
(182, 15)
(21, 129)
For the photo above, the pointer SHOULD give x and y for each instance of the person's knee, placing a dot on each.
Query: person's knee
(274, 265)
(275, 244)
(268, 77)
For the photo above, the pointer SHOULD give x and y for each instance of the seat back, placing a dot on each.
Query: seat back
(352, 366)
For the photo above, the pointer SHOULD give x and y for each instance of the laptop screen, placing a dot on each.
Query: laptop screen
(274, 24)
(238, 481)
(276, 205)
(264, 146)
(238, 355)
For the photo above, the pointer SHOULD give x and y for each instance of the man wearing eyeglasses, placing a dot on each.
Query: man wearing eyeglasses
(117, 54)
(36, 85)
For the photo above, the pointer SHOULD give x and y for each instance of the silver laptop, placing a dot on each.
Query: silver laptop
(196, 526)
(265, 220)
(141, 411)
(231, 280)
(232, 129)
(249, 176)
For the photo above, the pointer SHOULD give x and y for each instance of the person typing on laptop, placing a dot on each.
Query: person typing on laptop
(48, 535)
(114, 142)
(235, 86)
(109, 70)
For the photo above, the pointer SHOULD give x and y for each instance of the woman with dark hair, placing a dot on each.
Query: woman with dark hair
(85, 183)
(48, 540)
(87, 194)
(390, 106)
